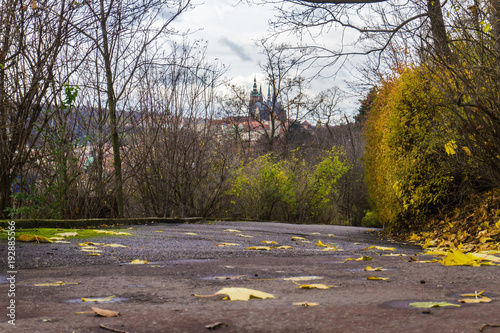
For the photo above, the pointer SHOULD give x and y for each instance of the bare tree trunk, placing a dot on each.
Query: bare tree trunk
(115, 139)
(438, 29)
(495, 28)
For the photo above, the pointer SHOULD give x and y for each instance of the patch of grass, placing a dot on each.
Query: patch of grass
(51, 232)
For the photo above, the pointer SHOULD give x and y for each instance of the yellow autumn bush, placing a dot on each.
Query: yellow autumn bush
(408, 172)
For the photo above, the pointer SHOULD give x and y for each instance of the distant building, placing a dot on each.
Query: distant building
(261, 110)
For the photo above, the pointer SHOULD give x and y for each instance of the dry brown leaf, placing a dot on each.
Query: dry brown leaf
(306, 304)
(105, 313)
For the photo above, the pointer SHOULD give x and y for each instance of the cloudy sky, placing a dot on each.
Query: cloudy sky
(231, 32)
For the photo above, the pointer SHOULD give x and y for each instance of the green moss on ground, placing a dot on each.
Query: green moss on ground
(52, 232)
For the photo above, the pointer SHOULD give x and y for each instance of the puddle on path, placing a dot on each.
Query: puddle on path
(406, 305)
(112, 300)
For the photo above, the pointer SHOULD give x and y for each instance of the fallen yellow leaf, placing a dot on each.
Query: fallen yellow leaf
(139, 262)
(303, 278)
(58, 283)
(246, 236)
(377, 278)
(315, 233)
(264, 248)
(240, 294)
(488, 257)
(457, 258)
(191, 233)
(320, 243)
(105, 313)
(232, 230)
(361, 258)
(269, 242)
(298, 238)
(394, 255)
(314, 286)
(114, 245)
(381, 248)
(427, 305)
(473, 295)
(226, 244)
(481, 299)
(331, 235)
(283, 247)
(90, 244)
(67, 234)
(376, 269)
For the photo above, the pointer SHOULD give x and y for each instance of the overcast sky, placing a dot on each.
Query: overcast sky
(231, 32)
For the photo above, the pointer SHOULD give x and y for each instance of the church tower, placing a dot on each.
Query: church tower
(256, 100)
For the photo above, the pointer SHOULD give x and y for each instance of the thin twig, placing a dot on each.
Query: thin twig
(486, 325)
(112, 329)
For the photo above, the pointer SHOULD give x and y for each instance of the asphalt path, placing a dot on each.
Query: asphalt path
(187, 259)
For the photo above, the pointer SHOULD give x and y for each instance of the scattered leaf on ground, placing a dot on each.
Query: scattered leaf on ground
(458, 258)
(381, 248)
(315, 233)
(361, 258)
(394, 255)
(331, 235)
(481, 299)
(232, 230)
(305, 304)
(91, 250)
(240, 294)
(34, 238)
(98, 300)
(269, 242)
(67, 234)
(473, 295)
(90, 244)
(139, 262)
(112, 232)
(58, 283)
(320, 243)
(375, 269)
(283, 247)
(314, 286)
(427, 305)
(226, 244)
(190, 233)
(62, 242)
(298, 238)
(105, 313)
(215, 326)
(303, 278)
(264, 248)
(246, 236)
(57, 238)
(114, 245)
(485, 256)
(377, 278)
(158, 230)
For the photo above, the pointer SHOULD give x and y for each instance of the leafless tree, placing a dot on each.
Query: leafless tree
(126, 35)
(32, 36)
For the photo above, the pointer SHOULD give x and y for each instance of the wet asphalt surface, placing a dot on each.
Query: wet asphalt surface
(158, 296)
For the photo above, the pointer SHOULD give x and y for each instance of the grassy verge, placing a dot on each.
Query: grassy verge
(53, 232)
